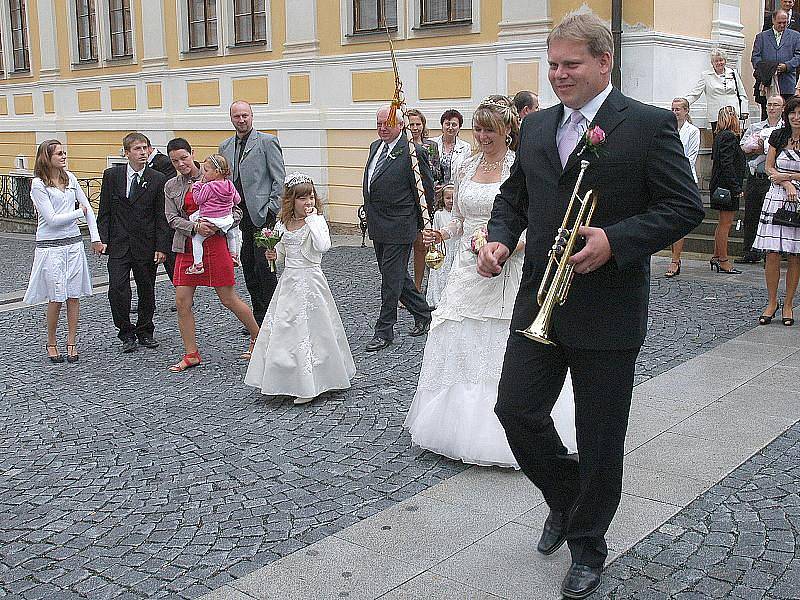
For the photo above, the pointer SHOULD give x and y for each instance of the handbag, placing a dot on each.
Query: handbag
(787, 217)
(722, 198)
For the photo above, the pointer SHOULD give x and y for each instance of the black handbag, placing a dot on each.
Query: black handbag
(786, 216)
(722, 199)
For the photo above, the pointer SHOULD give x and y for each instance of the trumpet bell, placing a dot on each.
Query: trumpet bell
(538, 332)
(434, 258)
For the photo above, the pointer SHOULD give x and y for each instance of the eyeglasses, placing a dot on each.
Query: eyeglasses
(774, 104)
(61, 153)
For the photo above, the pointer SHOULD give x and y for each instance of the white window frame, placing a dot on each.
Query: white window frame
(103, 24)
(230, 30)
(418, 30)
(226, 32)
(348, 34)
(8, 46)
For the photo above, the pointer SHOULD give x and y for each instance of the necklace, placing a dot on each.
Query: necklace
(488, 167)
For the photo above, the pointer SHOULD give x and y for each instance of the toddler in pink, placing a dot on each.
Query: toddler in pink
(215, 196)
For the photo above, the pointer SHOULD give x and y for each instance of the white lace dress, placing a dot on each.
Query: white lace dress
(302, 347)
(452, 413)
(437, 278)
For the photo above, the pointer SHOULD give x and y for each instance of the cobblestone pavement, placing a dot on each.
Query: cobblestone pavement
(121, 480)
(740, 539)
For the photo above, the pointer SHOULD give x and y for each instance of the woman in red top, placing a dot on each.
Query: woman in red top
(217, 261)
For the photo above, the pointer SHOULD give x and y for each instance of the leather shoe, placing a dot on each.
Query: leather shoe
(376, 344)
(129, 345)
(581, 581)
(420, 328)
(554, 533)
(148, 342)
(749, 258)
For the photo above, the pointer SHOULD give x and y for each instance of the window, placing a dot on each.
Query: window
(2, 70)
(202, 24)
(445, 12)
(119, 20)
(374, 15)
(85, 18)
(250, 21)
(19, 36)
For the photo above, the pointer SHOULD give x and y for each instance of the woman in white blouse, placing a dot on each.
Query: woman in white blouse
(722, 86)
(690, 138)
(452, 149)
(60, 272)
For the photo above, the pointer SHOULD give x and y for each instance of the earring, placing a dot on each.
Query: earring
(509, 139)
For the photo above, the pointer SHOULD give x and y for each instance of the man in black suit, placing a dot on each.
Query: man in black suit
(161, 163)
(794, 18)
(647, 199)
(394, 218)
(134, 231)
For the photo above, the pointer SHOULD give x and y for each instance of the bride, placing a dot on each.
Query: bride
(452, 413)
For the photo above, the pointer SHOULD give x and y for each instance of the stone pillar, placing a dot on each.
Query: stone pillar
(524, 20)
(155, 51)
(48, 52)
(301, 28)
(726, 25)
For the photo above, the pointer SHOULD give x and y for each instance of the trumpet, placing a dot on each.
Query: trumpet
(559, 273)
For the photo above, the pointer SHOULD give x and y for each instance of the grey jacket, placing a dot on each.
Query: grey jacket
(765, 48)
(174, 193)
(261, 171)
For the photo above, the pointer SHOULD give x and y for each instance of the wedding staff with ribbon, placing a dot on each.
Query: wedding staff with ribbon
(646, 199)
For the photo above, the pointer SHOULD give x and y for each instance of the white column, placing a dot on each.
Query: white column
(726, 25)
(155, 51)
(48, 53)
(525, 19)
(301, 28)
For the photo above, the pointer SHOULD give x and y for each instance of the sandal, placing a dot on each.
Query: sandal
(673, 269)
(72, 356)
(248, 354)
(766, 319)
(192, 359)
(58, 358)
(195, 269)
(788, 321)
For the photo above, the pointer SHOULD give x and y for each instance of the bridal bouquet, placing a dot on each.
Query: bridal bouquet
(479, 239)
(268, 238)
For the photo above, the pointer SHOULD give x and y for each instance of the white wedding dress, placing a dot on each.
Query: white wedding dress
(452, 413)
(302, 347)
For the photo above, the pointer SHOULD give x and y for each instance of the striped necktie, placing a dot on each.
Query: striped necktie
(381, 159)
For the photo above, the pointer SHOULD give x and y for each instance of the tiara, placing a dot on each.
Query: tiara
(292, 179)
(508, 110)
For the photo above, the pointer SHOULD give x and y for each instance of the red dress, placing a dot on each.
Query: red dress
(217, 259)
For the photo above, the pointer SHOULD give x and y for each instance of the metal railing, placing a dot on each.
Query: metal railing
(15, 196)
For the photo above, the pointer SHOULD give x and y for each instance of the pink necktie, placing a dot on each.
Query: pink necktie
(569, 138)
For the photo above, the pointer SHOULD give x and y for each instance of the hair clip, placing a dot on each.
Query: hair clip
(292, 179)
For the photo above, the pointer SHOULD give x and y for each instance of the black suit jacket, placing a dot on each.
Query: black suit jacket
(647, 199)
(136, 225)
(163, 165)
(394, 215)
(794, 22)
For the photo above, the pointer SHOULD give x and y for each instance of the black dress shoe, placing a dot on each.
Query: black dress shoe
(147, 341)
(554, 533)
(420, 328)
(581, 581)
(376, 344)
(129, 345)
(749, 258)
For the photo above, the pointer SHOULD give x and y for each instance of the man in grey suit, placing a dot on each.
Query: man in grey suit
(394, 218)
(782, 46)
(258, 173)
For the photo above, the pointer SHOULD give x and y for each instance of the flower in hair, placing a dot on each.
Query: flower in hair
(292, 179)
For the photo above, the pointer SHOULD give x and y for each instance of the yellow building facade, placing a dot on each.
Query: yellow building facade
(89, 71)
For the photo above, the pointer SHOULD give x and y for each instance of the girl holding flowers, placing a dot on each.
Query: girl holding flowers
(302, 349)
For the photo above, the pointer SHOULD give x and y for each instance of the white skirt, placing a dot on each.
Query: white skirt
(59, 273)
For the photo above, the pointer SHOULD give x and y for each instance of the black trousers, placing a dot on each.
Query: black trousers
(754, 193)
(396, 284)
(260, 281)
(590, 489)
(119, 294)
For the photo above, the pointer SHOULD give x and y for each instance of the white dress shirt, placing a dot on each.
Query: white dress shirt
(374, 160)
(131, 173)
(56, 213)
(690, 138)
(588, 110)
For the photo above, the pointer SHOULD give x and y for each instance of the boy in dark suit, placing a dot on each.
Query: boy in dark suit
(647, 199)
(136, 238)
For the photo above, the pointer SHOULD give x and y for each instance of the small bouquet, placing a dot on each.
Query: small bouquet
(268, 238)
(479, 239)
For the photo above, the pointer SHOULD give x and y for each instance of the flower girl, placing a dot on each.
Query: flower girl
(437, 278)
(302, 349)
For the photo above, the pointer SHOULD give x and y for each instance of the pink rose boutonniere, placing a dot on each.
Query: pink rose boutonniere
(593, 138)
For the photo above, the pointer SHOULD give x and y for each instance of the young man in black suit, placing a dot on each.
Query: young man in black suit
(394, 218)
(134, 231)
(647, 199)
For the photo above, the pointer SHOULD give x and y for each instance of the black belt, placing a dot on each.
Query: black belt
(59, 242)
(759, 176)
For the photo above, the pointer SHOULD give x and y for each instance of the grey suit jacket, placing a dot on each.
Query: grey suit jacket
(394, 215)
(766, 49)
(261, 171)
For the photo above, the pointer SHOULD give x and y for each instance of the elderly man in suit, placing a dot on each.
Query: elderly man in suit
(134, 229)
(779, 46)
(647, 199)
(394, 218)
(258, 172)
(794, 18)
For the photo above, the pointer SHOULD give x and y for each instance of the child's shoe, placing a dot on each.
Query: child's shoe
(195, 269)
(236, 262)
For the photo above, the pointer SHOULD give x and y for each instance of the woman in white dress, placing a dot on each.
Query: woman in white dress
(60, 272)
(452, 413)
(302, 348)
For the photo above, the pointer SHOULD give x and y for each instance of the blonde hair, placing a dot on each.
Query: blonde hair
(440, 195)
(51, 176)
(586, 28)
(719, 53)
(685, 103)
(290, 194)
(728, 119)
(220, 164)
(497, 112)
